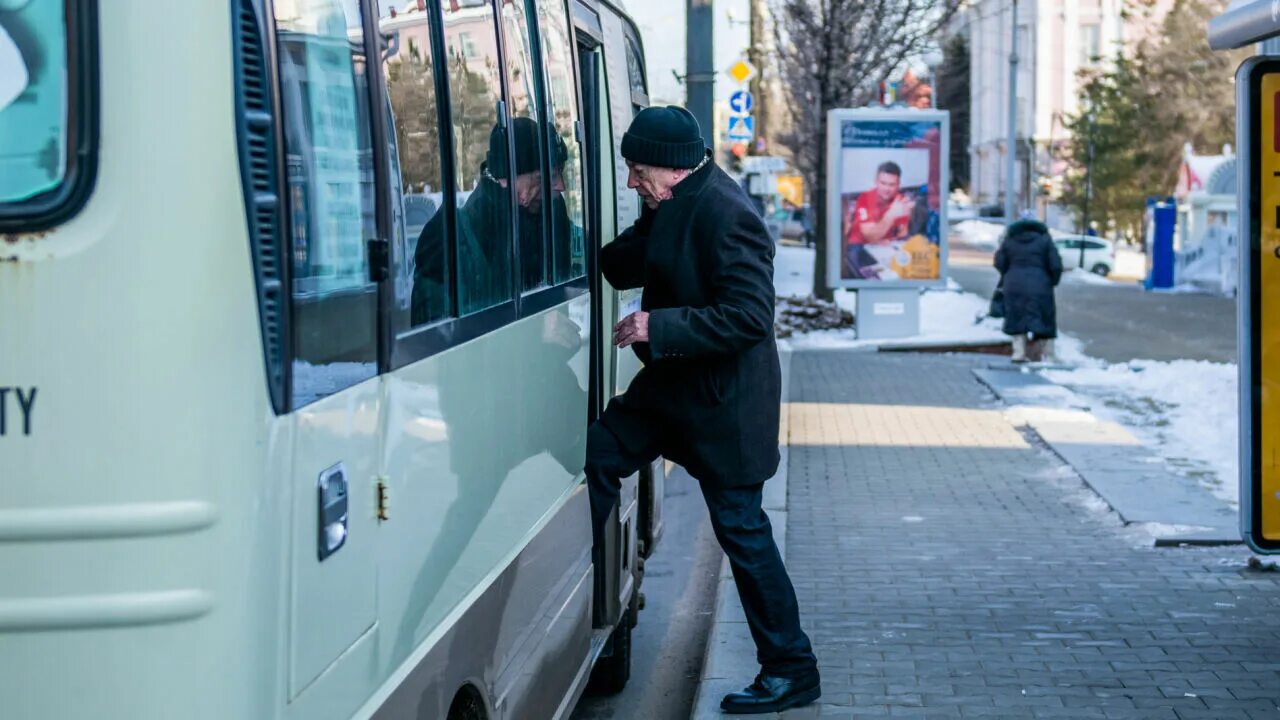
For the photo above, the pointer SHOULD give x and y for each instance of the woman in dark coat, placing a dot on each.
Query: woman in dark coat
(1030, 269)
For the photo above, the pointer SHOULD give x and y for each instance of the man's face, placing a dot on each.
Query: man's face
(887, 186)
(653, 184)
(529, 189)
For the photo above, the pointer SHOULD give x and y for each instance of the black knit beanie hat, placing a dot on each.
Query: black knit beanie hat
(664, 137)
(525, 131)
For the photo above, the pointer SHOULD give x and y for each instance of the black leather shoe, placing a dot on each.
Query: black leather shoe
(771, 694)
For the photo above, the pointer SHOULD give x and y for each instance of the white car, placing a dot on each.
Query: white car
(1099, 254)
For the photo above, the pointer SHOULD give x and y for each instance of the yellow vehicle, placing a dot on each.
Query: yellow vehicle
(301, 338)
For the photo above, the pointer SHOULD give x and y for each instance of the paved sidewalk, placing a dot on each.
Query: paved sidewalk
(949, 565)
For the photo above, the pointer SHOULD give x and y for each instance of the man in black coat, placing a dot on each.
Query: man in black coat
(709, 394)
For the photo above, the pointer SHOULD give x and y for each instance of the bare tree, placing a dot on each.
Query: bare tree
(834, 54)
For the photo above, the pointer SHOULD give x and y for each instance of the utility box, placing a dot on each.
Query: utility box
(1162, 221)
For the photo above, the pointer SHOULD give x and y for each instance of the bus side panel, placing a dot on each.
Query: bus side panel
(141, 531)
(482, 443)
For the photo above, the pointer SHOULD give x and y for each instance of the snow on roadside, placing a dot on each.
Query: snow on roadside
(1185, 410)
(1084, 277)
(978, 233)
(793, 271)
(946, 316)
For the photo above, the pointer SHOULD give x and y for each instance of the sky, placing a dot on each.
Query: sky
(662, 28)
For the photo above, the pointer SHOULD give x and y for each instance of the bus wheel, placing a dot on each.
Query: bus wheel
(612, 672)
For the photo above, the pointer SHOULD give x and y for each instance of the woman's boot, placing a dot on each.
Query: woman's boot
(1019, 348)
(1046, 354)
(1035, 350)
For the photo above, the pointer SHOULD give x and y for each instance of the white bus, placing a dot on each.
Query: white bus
(300, 335)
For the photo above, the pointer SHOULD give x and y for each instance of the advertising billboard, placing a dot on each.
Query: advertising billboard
(887, 178)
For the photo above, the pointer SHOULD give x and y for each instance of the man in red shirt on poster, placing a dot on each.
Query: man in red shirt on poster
(881, 215)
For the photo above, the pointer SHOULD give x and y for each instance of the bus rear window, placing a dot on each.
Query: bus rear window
(46, 110)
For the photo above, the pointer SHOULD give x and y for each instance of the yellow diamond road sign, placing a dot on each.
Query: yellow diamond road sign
(742, 71)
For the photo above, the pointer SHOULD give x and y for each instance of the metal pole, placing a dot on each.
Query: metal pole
(1088, 184)
(699, 76)
(759, 88)
(1011, 145)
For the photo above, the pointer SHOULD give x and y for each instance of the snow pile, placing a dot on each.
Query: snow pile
(793, 271)
(978, 233)
(1185, 410)
(1084, 277)
(802, 315)
(1131, 263)
(947, 317)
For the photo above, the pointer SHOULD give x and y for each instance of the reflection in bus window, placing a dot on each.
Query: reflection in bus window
(568, 244)
(33, 99)
(522, 86)
(421, 265)
(331, 189)
(480, 159)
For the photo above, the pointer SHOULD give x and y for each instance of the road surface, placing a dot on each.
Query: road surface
(1119, 322)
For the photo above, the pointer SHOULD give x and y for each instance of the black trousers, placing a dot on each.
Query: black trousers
(744, 532)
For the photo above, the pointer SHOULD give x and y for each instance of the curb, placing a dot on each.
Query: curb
(1128, 476)
(729, 663)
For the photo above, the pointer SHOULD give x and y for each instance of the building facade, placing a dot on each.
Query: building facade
(1056, 40)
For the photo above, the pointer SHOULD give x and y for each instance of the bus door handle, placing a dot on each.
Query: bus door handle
(331, 494)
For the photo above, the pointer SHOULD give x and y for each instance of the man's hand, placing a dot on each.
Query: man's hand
(900, 208)
(633, 328)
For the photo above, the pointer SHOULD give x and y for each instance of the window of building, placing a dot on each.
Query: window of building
(480, 159)
(421, 250)
(523, 92)
(1090, 43)
(567, 205)
(330, 181)
(468, 46)
(47, 111)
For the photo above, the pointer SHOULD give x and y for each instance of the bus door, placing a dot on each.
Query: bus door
(600, 213)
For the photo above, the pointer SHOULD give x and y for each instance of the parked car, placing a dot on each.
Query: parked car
(792, 224)
(1099, 254)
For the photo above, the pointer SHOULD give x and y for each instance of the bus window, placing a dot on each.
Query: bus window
(635, 73)
(567, 206)
(483, 200)
(422, 264)
(45, 131)
(523, 92)
(329, 166)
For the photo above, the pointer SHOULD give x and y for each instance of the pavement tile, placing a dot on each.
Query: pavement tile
(948, 561)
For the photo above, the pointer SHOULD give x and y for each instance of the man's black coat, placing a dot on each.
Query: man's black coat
(711, 381)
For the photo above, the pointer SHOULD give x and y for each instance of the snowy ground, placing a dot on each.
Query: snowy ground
(1184, 410)
(946, 316)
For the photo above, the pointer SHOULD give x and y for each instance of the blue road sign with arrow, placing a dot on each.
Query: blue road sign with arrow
(741, 102)
(742, 127)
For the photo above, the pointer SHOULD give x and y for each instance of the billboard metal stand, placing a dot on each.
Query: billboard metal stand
(888, 313)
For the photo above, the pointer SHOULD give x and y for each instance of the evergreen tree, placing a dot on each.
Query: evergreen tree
(953, 94)
(1141, 109)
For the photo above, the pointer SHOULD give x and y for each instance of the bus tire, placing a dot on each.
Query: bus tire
(612, 672)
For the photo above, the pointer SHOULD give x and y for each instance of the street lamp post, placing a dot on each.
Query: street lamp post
(1088, 178)
(1011, 145)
